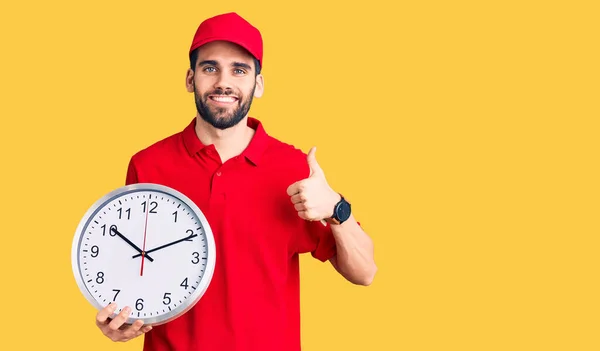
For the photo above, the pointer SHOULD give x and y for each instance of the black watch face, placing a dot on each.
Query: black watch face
(343, 211)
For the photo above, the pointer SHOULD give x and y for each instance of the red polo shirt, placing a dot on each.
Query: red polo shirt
(253, 301)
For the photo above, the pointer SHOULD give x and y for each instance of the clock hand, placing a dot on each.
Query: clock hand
(169, 244)
(113, 228)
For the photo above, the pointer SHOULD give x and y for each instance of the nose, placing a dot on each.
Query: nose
(223, 82)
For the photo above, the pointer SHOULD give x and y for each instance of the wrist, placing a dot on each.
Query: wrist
(335, 198)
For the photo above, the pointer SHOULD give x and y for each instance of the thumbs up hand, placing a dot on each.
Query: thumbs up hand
(312, 197)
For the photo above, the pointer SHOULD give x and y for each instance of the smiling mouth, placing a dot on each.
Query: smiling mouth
(223, 98)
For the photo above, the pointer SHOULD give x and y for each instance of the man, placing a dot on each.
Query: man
(266, 202)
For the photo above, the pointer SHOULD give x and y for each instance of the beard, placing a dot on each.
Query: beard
(219, 117)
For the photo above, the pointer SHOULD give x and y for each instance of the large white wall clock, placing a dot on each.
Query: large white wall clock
(146, 246)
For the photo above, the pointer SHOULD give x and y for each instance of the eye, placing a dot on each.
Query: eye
(239, 71)
(209, 69)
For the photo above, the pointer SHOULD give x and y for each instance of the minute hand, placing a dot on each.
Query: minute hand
(167, 245)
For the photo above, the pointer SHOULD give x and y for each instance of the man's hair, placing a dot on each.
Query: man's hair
(194, 58)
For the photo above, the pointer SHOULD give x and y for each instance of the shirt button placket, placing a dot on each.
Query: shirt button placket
(218, 191)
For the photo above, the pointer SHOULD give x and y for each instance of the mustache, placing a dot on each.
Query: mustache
(220, 91)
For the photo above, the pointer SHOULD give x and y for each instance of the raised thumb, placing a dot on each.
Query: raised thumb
(312, 161)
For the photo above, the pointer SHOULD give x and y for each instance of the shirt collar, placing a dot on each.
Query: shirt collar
(253, 152)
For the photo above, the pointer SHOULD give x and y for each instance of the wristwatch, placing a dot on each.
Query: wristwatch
(341, 212)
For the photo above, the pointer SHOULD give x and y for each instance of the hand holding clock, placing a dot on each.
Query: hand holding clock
(116, 329)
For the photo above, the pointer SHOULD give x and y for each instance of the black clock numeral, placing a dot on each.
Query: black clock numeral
(190, 234)
(95, 251)
(117, 293)
(153, 206)
(196, 258)
(139, 304)
(111, 232)
(175, 214)
(100, 278)
(167, 299)
(120, 210)
(184, 283)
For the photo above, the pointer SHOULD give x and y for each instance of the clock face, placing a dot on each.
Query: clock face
(145, 246)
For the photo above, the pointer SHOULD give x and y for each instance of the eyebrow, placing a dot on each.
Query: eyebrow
(234, 64)
(208, 62)
(242, 65)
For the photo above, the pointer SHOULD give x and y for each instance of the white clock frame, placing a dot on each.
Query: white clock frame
(100, 204)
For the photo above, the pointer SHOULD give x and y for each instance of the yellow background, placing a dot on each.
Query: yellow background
(464, 132)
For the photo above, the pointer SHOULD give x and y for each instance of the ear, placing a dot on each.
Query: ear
(189, 80)
(260, 86)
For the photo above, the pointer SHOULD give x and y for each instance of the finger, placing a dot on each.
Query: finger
(292, 189)
(298, 198)
(102, 316)
(132, 330)
(300, 206)
(135, 326)
(132, 334)
(295, 188)
(120, 319)
(306, 215)
(311, 158)
(142, 331)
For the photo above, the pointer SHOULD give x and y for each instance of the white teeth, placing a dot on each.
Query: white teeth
(223, 98)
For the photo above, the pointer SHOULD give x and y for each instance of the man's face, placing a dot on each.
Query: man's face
(224, 83)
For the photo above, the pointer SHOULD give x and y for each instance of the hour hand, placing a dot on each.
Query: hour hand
(113, 228)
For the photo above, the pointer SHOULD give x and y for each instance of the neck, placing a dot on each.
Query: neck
(229, 142)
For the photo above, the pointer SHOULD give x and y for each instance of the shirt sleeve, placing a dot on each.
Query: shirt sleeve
(316, 239)
(132, 176)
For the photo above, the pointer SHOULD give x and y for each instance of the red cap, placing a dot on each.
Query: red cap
(230, 27)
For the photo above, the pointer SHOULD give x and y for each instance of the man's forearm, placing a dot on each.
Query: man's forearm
(355, 253)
